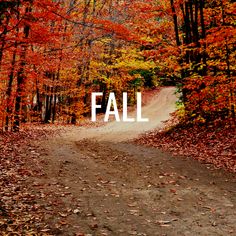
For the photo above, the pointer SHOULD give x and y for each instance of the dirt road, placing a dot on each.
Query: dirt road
(98, 186)
(157, 110)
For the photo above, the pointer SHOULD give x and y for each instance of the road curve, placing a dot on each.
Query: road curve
(157, 110)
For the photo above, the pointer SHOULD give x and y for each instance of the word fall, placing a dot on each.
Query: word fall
(112, 104)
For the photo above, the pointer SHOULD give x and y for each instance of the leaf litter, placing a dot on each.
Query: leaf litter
(213, 144)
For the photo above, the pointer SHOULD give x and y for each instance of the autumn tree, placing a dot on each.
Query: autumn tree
(204, 36)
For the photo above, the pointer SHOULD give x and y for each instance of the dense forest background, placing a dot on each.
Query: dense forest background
(53, 54)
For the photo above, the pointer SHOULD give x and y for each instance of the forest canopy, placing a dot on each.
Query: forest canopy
(54, 54)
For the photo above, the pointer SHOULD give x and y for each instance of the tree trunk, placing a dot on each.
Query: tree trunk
(21, 78)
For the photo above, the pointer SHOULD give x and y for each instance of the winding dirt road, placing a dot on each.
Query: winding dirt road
(157, 110)
(105, 185)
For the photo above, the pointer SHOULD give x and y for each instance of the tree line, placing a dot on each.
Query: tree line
(53, 54)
